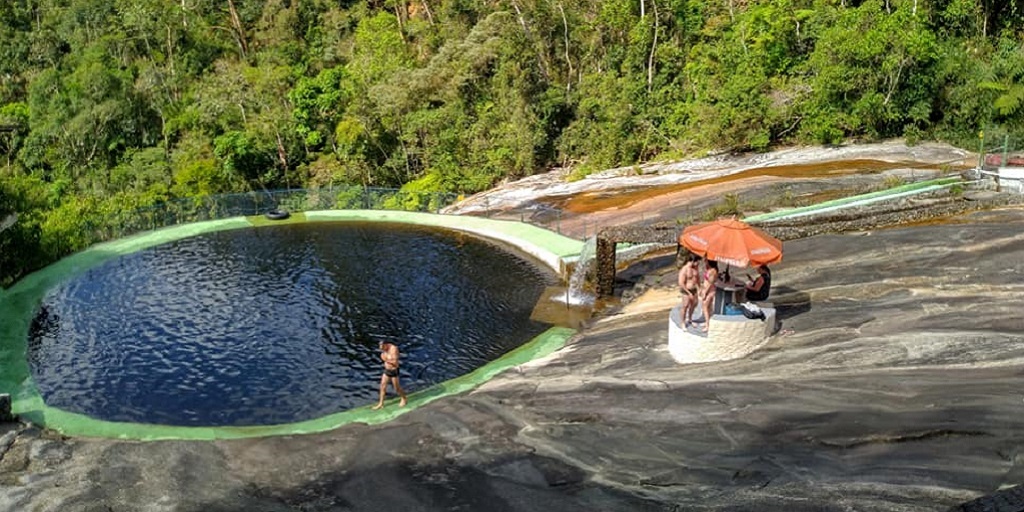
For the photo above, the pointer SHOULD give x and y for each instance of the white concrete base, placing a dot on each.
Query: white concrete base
(729, 337)
(1012, 178)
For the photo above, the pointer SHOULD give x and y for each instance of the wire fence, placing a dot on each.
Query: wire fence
(1001, 162)
(670, 213)
(203, 208)
(1003, 150)
(197, 209)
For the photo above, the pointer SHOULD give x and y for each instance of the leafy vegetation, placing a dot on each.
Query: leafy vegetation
(108, 105)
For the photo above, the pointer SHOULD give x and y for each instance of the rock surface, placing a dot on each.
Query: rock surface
(895, 384)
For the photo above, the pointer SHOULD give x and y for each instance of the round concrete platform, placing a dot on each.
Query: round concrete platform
(728, 337)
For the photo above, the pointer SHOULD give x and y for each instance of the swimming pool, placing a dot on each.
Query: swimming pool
(278, 324)
(279, 304)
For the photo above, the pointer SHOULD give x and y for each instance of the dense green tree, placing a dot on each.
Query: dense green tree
(109, 105)
(868, 72)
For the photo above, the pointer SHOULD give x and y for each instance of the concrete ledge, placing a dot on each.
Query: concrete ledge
(729, 337)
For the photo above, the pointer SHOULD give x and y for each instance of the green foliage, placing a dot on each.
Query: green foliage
(869, 69)
(195, 171)
(146, 173)
(14, 127)
(422, 195)
(243, 154)
(149, 100)
(318, 102)
(893, 181)
(729, 207)
(380, 51)
(350, 198)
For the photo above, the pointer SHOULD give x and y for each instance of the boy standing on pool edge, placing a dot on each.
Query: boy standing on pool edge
(389, 354)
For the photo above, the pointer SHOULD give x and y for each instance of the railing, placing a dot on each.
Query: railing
(1002, 162)
(672, 212)
(999, 151)
(196, 209)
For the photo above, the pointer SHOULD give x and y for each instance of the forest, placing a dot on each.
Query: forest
(114, 105)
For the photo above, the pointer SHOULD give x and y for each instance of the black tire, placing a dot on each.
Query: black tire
(277, 214)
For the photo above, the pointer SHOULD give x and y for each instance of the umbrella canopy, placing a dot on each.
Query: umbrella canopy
(733, 242)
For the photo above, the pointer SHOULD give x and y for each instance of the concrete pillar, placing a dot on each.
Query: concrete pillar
(605, 267)
(5, 409)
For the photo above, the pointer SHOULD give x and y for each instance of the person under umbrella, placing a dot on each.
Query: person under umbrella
(733, 242)
(759, 287)
(707, 292)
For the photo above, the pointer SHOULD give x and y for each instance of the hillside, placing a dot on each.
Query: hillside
(894, 384)
(111, 106)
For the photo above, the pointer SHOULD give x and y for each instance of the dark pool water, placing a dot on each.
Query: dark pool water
(278, 324)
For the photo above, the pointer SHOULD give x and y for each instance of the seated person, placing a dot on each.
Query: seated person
(759, 287)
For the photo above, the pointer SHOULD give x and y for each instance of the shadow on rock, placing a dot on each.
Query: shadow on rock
(528, 482)
(789, 302)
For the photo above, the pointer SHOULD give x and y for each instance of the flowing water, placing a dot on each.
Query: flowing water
(577, 293)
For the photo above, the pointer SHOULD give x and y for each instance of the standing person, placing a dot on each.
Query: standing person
(389, 354)
(758, 288)
(689, 283)
(707, 291)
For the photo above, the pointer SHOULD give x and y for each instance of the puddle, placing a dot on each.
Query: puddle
(557, 307)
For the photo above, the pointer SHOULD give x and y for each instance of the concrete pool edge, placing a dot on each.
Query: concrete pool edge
(18, 306)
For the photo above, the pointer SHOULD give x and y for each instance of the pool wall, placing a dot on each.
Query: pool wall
(18, 306)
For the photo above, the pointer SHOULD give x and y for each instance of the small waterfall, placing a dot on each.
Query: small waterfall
(575, 294)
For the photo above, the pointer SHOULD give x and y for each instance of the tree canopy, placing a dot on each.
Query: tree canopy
(113, 104)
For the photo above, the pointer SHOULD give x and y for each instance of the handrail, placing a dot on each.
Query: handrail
(222, 206)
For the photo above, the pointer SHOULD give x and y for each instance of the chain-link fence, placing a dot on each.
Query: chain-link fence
(196, 209)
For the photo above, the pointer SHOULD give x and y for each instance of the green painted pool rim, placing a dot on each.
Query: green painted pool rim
(18, 305)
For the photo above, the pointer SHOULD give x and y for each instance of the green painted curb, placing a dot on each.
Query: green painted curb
(19, 303)
(764, 217)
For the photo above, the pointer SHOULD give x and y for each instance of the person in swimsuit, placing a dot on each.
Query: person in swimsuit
(689, 282)
(707, 291)
(389, 354)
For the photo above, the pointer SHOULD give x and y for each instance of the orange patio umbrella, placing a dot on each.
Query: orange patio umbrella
(733, 242)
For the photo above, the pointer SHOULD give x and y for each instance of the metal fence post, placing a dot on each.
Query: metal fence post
(981, 150)
(1006, 151)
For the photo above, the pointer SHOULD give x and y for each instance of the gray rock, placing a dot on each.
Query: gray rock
(894, 385)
